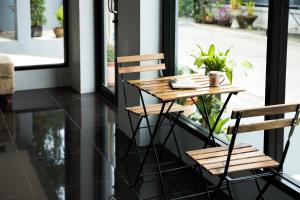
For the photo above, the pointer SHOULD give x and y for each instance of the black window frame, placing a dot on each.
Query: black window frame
(275, 76)
(65, 64)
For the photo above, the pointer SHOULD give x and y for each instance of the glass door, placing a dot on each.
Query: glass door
(109, 45)
(106, 36)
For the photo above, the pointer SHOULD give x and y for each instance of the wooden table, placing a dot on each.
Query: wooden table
(162, 90)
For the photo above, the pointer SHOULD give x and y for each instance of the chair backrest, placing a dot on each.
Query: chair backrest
(264, 111)
(130, 68)
(141, 68)
(264, 124)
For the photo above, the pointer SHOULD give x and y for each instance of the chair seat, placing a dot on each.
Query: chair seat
(154, 109)
(244, 158)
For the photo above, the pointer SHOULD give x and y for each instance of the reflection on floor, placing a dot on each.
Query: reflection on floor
(56, 144)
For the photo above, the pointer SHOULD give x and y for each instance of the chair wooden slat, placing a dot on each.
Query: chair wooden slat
(145, 68)
(153, 109)
(214, 149)
(267, 110)
(233, 157)
(252, 166)
(224, 153)
(266, 125)
(242, 161)
(138, 58)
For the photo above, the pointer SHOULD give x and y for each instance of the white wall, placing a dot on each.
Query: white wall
(46, 78)
(82, 59)
(87, 49)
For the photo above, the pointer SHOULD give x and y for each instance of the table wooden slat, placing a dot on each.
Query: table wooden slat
(161, 89)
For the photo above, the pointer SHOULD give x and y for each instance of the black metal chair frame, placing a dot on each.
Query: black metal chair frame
(152, 135)
(227, 180)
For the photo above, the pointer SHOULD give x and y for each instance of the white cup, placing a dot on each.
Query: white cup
(216, 78)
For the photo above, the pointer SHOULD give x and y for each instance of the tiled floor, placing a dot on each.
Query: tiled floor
(56, 144)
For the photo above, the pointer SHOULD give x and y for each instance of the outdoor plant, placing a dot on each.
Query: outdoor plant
(214, 61)
(37, 10)
(199, 12)
(223, 15)
(217, 61)
(59, 14)
(110, 53)
(213, 106)
(250, 7)
(185, 8)
(235, 4)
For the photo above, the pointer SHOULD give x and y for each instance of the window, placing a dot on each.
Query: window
(292, 89)
(7, 20)
(206, 24)
(273, 79)
(33, 34)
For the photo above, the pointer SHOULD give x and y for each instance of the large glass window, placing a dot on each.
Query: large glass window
(292, 166)
(238, 27)
(39, 39)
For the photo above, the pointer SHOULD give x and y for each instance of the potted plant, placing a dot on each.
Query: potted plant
(199, 11)
(110, 56)
(59, 14)
(209, 18)
(222, 16)
(235, 6)
(38, 19)
(250, 17)
(215, 61)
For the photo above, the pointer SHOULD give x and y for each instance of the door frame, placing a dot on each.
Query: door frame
(100, 51)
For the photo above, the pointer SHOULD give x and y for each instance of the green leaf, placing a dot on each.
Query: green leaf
(219, 127)
(247, 64)
(228, 72)
(227, 52)
(229, 137)
(211, 50)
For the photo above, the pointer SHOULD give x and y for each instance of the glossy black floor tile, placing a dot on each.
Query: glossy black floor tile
(56, 144)
(38, 121)
(13, 180)
(35, 99)
(115, 189)
(52, 144)
(47, 174)
(63, 93)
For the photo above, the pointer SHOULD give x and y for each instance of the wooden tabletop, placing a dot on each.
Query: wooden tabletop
(161, 89)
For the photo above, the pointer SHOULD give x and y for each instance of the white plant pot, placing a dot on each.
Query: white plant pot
(234, 21)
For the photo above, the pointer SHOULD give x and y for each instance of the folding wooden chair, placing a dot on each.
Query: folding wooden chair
(152, 109)
(224, 160)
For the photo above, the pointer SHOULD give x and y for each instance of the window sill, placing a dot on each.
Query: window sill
(39, 67)
(284, 183)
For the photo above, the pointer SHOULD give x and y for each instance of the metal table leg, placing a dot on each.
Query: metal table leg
(205, 115)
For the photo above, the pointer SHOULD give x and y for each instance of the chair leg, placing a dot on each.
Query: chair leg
(265, 188)
(133, 140)
(217, 188)
(258, 186)
(203, 183)
(229, 190)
